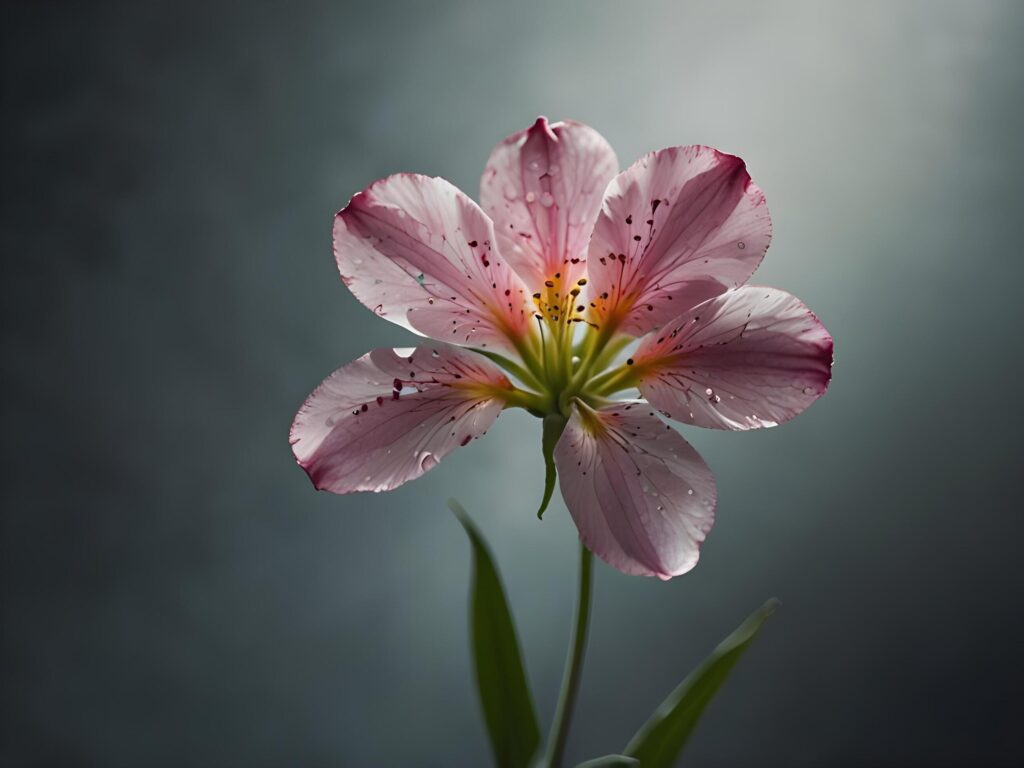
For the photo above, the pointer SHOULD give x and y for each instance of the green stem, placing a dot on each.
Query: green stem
(597, 351)
(530, 352)
(573, 666)
(613, 381)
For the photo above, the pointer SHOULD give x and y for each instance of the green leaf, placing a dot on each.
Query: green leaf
(554, 425)
(611, 761)
(661, 739)
(500, 677)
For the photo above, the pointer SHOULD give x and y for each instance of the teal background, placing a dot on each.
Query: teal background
(174, 593)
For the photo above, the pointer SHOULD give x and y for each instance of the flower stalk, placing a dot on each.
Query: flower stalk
(573, 665)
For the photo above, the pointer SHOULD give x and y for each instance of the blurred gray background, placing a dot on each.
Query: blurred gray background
(174, 593)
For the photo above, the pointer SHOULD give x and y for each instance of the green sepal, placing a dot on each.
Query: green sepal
(554, 425)
(661, 739)
(500, 676)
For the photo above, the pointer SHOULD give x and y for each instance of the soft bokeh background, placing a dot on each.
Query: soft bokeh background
(174, 593)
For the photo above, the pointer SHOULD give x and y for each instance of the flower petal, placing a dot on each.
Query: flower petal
(642, 497)
(679, 226)
(543, 188)
(419, 252)
(387, 418)
(750, 358)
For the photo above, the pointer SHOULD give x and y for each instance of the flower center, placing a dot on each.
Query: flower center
(563, 365)
(558, 304)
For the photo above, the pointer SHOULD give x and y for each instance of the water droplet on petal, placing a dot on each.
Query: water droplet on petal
(690, 492)
(547, 200)
(809, 390)
(709, 391)
(427, 461)
(530, 197)
(420, 278)
(510, 193)
(741, 245)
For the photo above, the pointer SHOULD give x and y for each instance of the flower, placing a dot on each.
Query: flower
(529, 300)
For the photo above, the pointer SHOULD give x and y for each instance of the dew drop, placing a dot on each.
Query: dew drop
(420, 278)
(427, 461)
(709, 392)
(809, 390)
(741, 245)
(690, 492)
(530, 197)
(547, 200)
(533, 165)
(510, 193)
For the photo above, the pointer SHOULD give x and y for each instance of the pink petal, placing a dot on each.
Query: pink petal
(679, 226)
(642, 497)
(543, 188)
(750, 358)
(387, 418)
(419, 252)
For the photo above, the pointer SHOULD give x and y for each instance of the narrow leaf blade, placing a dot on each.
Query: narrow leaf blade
(611, 761)
(661, 739)
(500, 676)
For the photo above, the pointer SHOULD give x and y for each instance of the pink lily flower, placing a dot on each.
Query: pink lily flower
(529, 300)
